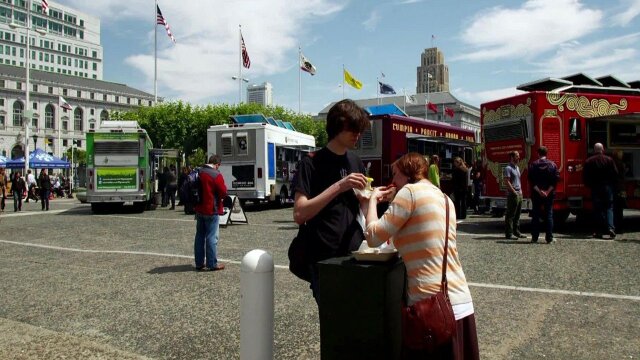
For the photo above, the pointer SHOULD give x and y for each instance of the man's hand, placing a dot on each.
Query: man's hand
(352, 181)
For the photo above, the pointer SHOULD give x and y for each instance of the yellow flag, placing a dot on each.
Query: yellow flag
(351, 80)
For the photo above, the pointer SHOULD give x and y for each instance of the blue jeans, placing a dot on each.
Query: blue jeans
(542, 207)
(603, 209)
(206, 237)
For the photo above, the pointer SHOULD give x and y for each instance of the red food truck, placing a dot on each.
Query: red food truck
(568, 116)
(391, 136)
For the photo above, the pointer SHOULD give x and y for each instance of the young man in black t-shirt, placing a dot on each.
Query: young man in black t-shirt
(326, 208)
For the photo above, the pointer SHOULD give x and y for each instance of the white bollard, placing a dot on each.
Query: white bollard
(256, 306)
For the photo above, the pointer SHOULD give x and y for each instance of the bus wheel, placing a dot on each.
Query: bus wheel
(284, 195)
(139, 206)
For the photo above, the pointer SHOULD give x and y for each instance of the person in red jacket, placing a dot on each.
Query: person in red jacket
(208, 211)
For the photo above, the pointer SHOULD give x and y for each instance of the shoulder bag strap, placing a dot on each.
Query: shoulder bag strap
(443, 283)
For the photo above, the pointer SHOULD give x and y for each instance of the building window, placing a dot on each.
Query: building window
(65, 125)
(34, 121)
(92, 124)
(1, 83)
(128, 100)
(64, 92)
(65, 142)
(35, 106)
(2, 120)
(50, 90)
(77, 119)
(92, 111)
(35, 87)
(92, 96)
(49, 113)
(79, 93)
(117, 99)
(104, 115)
(18, 85)
(2, 102)
(104, 97)
(18, 109)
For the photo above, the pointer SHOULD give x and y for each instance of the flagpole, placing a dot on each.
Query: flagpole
(239, 64)
(343, 81)
(299, 80)
(59, 126)
(404, 101)
(378, 90)
(155, 54)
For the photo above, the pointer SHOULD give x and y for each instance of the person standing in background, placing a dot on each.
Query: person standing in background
(45, 189)
(434, 170)
(460, 184)
(172, 186)
(3, 188)
(600, 175)
(18, 188)
(208, 212)
(543, 177)
(514, 197)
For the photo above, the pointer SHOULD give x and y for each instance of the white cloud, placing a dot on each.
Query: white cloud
(479, 97)
(406, 2)
(200, 64)
(607, 56)
(372, 22)
(631, 12)
(534, 28)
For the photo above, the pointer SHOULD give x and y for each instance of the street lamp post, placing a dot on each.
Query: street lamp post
(240, 87)
(35, 141)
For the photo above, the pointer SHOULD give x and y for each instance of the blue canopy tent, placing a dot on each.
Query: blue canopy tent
(39, 159)
(3, 161)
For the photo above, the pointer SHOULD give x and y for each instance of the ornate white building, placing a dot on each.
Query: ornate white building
(56, 128)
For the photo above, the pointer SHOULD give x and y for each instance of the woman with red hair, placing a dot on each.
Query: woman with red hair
(416, 223)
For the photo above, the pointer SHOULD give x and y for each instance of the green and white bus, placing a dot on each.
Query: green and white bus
(119, 166)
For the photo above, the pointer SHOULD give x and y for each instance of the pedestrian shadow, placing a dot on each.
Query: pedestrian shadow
(171, 269)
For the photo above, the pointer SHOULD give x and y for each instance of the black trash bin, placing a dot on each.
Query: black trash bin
(360, 304)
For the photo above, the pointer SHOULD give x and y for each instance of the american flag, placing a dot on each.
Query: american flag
(160, 20)
(246, 62)
(45, 6)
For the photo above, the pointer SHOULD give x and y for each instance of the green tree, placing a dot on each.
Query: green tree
(79, 156)
(179, 125)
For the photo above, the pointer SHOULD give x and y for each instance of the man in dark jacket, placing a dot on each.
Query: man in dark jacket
(543, 178)
(600, 174)
(18, 187)
(208, 211)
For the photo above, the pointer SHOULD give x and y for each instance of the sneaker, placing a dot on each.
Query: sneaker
(200, 268)
(551, 241)
(596, 236)
(509, 237)
(521, 236)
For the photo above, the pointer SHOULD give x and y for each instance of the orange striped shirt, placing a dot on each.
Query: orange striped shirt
(415, 221)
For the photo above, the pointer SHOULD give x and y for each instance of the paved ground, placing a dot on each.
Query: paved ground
(121, 286)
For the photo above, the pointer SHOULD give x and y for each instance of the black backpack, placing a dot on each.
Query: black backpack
(192, 189)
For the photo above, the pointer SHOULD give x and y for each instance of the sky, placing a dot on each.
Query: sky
(490, 46)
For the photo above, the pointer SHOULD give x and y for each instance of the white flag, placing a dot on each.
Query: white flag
(306, 65)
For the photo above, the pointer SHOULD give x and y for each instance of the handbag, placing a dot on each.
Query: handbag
(299, 263)
(430, 322)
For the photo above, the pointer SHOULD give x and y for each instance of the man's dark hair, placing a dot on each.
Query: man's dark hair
(214, 159)
(346, 115)
(542, 151)
(512, 154)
